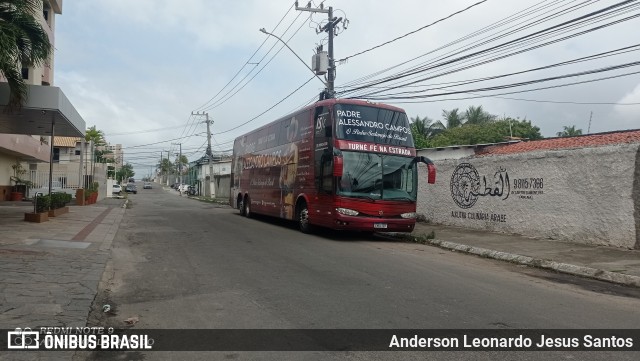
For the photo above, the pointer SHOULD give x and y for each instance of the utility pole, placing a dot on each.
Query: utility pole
(589, 129)
(208, 189)
(179, 163)
(329, 29)
(169, 159)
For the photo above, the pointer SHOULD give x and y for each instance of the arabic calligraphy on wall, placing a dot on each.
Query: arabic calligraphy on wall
(467, 186)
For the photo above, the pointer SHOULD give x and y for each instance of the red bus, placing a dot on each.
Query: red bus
(339, 163)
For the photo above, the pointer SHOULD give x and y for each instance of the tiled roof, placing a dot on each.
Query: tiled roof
(66, 142)
(582, 141)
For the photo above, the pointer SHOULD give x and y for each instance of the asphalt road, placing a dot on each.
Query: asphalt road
(179, 263)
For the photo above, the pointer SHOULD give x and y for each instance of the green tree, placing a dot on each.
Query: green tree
(477, 115)
(97, 137)
(452, 118)
(424, 129)
(23, 43)
(494, 132)
(94, 135)
(125, 172)
(569, 131)
(165, 166)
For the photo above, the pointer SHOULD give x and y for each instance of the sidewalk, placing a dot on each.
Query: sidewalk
(49, 272)
(615, 265)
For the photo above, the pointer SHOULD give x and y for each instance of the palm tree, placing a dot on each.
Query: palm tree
(96, 137)
(477, 115)
(23, 43)
(452, 118)
(569, 131)
(425, 126)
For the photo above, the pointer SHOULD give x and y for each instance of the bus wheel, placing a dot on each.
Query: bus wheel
(247, 207)
(241, 205)
(303, 218)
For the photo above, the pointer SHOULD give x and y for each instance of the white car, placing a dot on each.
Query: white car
(117, 189)
(183, 188)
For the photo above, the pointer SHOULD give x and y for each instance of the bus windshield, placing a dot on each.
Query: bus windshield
(378, 177)
(372, 125)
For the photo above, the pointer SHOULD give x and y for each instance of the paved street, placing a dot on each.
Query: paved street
(183, 264)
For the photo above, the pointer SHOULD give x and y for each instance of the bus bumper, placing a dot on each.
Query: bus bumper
(372, 224)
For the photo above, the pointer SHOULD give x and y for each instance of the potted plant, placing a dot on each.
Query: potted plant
(19, 183)
(41, 210)
(94, 192)
(91, 196)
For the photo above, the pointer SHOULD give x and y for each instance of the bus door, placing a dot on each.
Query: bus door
(321, 210)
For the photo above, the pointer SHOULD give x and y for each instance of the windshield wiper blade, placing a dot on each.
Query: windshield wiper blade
(363, 196)
(404, 198)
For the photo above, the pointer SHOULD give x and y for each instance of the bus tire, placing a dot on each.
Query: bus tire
(240, 203)
(247, 207)
(303, 218)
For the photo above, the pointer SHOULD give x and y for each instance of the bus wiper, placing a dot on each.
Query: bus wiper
(363, 196)
(403, 198)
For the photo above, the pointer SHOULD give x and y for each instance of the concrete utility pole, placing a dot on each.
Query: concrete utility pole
(329, 29)
(169, 159)
(590, 117)
(179, 163)
(208, 189)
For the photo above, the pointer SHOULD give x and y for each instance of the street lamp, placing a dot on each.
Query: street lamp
(263, 30)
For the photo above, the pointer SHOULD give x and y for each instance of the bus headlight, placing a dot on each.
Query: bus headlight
(347, 211)
(409, 215)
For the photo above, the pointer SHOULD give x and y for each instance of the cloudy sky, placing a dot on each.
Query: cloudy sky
(137, 69)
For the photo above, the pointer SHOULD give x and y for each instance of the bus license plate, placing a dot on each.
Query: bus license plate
(379, 225)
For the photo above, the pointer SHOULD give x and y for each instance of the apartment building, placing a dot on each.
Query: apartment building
(26, 134)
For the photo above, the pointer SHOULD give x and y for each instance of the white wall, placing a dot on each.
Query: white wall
(583, 195)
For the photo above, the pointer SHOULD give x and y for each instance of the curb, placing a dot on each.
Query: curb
(582, 271)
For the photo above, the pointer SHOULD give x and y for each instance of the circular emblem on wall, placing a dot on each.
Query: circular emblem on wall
(465, 183)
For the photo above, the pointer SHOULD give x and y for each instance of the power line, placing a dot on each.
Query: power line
(516, 92)
(485, 61)
(226, 97)
(545, 32)
(502, 22)
(268, 109)
(247, 62)
(413, 32)
(438, 86)
(144, 131)
(560, 102)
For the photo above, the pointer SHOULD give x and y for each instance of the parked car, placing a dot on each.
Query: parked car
(131, 188)
(117, 189)
(147, 185)
(183, 188)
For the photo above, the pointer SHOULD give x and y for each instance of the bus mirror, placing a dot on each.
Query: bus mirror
(337, 166)
(431, 177)
(431, 169)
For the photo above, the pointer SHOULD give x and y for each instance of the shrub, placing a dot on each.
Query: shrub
(42, 203)
(59, 200)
